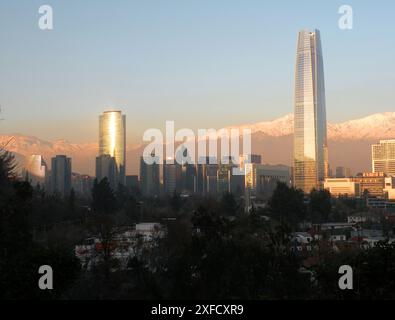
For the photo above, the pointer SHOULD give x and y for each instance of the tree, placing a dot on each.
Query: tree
(103, 199)
(228, 204)
(320, 205)
(287, 204)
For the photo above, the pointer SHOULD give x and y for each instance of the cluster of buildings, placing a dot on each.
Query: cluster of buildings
(377, 186)
(124, 244)
(212, 178)
(310, 166)
(208, 179)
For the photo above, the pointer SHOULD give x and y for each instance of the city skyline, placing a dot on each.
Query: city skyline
(220, 62)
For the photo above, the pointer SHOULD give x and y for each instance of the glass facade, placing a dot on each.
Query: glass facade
(383, 157)
(112, 140)
(310, 132)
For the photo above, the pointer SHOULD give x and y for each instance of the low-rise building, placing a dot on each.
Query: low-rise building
(343, 187)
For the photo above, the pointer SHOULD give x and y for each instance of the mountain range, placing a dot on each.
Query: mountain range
(349, 143)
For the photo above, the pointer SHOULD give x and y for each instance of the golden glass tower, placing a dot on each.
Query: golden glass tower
(310, 131)
(112, 141)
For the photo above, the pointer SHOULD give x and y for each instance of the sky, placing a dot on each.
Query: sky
(203, 64)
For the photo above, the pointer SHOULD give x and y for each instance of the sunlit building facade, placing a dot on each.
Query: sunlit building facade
(35, 170)
(310, 130)
(112, 141)
(343, 187)
(383, 157)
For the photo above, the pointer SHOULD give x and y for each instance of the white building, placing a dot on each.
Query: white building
(390, 187)
(342, 187)
(383, 157)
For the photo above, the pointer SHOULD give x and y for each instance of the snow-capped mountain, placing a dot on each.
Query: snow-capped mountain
(349, 143)
(377, 126)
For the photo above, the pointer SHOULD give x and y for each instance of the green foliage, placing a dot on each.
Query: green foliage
(287, 205)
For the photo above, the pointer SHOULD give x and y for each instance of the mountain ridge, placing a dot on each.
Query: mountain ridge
(349, 143)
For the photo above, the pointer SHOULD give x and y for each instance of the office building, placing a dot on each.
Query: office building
(150, 177)
(383, 157)
(206, 176)
(61, 175)
(35, 170)
(310, 128)
(106, 168)
(172, 177)
(343, 172)
(82, 184)
(261, 180)
(112, 141)
(343, 187)
(372, 184)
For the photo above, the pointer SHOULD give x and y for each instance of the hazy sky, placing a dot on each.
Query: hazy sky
(205, 63)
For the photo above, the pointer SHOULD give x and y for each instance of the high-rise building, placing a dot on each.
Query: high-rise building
(206, 176)
(383, 157)
(149, 177)
(310, 131)
(35, 170)
(172, 176)
(261, 180)
(61, 175)
(112, 141)
(82, 184)
(188, 178)
(227, 180)
(343, 172)
(106, 167)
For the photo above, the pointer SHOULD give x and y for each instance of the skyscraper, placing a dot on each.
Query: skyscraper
(61, 175)
(206, 176)
(172, 177)
(35, 170)
(112, 141)
(310, 132)
(106, 168)
(383, 157)
(149, 177)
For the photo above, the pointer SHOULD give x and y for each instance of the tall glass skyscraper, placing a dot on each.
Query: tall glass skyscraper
(310, 132)
(112, 141)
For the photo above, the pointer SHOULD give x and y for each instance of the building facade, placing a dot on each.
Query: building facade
(61, 175)
(149, 177)
(112, 141)
(383, 157)
(310, 128)
(343, 187)
(106, 168)
(35, 170)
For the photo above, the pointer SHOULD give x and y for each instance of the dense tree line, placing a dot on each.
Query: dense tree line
(212, 248)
